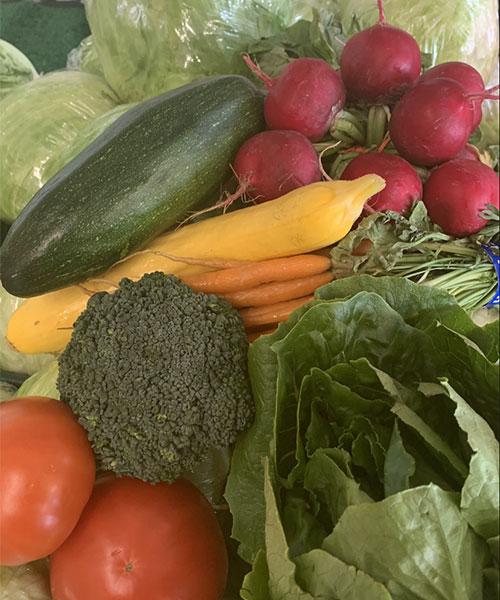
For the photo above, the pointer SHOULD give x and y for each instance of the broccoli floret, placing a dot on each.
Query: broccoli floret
(157, 375)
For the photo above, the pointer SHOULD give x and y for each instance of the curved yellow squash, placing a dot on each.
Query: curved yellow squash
(304, 220)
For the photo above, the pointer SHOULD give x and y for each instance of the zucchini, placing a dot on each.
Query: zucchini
(151, 167)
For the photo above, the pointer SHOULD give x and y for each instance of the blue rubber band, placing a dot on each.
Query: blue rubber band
(488, 248)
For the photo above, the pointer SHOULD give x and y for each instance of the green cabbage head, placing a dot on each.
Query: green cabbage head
(40, 120)
(147, 47)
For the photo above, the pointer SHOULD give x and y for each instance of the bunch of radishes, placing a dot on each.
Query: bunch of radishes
(433, 116)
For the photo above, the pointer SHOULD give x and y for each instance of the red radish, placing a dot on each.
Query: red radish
(432, 122)
(275, 162)
(402, 183)
(467, 76)
(469, 151)
(305, 97)
(456, 193)
(379, 64)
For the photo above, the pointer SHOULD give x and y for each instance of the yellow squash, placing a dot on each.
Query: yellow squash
(304, 220)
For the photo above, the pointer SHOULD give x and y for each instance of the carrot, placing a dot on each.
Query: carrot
(253, 335)
(257, 316)
(253, 274)
(362, 248)
(278, 291)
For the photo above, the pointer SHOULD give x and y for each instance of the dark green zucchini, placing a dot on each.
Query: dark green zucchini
(159, 161)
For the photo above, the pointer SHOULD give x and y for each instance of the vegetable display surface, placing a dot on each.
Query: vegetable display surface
(160, 160)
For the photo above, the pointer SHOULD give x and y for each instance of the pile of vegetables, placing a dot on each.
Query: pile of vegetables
(240, 284)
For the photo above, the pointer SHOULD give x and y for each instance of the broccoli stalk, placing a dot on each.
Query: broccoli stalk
(157, 375)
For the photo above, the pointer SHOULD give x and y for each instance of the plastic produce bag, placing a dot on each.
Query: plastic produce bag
(85, 58)
(10, 360)
(150, 46)
(15, 68)
(465, 30)
(40, 120)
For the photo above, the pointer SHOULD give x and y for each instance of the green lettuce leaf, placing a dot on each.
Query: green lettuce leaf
(245, 483)
(256, 583)
(417, 543)
(282, 582)
(325, 576)
(479, 499)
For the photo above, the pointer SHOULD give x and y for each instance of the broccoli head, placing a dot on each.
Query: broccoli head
(157, 375)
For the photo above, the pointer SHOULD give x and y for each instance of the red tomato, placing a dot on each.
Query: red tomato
(137, 541)
(46, 477)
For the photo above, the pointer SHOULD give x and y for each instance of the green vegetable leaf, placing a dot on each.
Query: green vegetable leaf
(451, 462)
(316, 38)
(325, 576)
(331, 486)
(470, 373)
(479, 501)
(245, 483)
(417, 543)
(399, 465)
(282, 583)
(256, 583)
(411, 246)
(304, 531)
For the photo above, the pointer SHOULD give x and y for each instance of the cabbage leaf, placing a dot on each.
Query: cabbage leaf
(15, 68)
(40, 120)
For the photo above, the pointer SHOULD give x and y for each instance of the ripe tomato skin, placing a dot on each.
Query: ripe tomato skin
(46, 477)
(137, 541)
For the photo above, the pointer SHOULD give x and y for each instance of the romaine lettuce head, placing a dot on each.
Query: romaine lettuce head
(371, 470)
(465, 30)
(41, 383)
(10, 359)
(15, 68)
(149, 46)
(40, 120)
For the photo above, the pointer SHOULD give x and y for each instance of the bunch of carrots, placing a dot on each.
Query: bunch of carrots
(266, 292)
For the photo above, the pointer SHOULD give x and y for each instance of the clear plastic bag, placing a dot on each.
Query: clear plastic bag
(85, 58)
(149, 46)
(40, 120)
